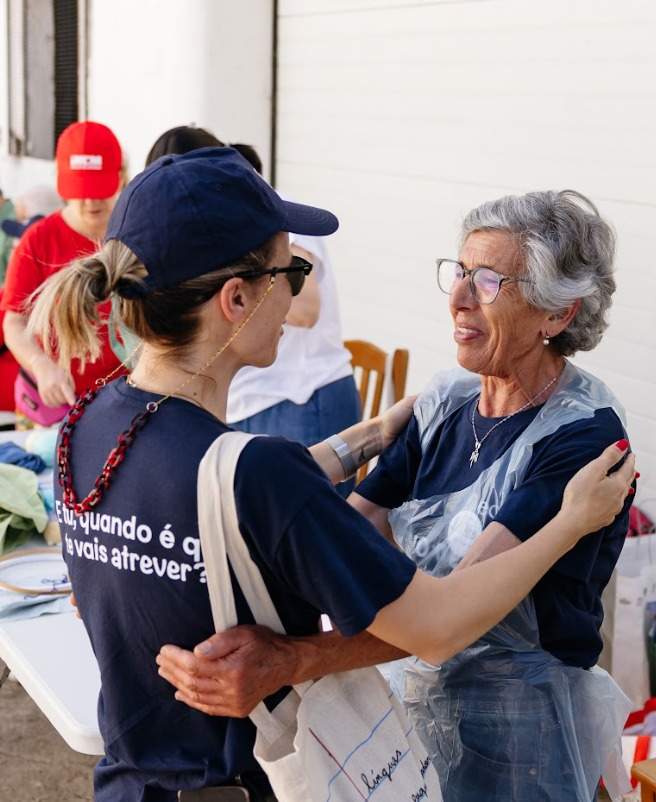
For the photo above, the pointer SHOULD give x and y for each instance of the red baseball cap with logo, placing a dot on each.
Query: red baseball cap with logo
(88, 161)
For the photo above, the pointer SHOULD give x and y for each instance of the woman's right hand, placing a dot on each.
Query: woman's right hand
(56, 385)
(594, 497)
(71, 598)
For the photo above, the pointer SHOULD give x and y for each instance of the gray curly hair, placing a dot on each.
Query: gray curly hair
(568, 252)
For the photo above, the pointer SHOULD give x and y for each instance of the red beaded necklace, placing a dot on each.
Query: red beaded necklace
(126, 438)
(114, 459)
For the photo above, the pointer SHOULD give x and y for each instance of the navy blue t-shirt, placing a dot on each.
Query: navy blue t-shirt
(138, 576)
(568, 598)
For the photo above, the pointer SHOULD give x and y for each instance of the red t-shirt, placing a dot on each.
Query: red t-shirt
(8, 370)
(44, 249)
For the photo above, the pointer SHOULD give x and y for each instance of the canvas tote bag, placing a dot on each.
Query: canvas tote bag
(344, 737)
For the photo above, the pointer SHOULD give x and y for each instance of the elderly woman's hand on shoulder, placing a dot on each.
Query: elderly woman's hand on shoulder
(394, 420)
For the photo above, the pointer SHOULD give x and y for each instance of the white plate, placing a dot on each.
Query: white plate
(37, 571)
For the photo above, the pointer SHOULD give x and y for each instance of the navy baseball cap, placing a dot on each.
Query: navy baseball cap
(188, 215)
(15, 229)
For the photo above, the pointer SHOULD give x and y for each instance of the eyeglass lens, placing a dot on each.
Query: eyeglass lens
(296, 277)
(484, 282)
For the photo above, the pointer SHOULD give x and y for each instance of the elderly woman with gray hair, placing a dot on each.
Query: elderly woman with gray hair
(522, 714)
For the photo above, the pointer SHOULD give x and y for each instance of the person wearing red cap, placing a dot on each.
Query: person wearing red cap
(89, 178)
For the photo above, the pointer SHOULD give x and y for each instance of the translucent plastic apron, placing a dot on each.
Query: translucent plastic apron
(504, 720)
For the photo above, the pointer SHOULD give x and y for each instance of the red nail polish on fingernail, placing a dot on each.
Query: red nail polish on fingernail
(637, 474)
(631, 491)
(622, 444)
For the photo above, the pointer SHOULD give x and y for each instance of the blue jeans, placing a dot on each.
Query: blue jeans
(329, 410)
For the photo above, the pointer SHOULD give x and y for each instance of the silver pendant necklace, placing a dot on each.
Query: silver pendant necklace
(478, 443)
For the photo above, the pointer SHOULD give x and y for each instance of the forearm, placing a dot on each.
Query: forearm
(374, 513)
(306, 306)
(495, 539)
(484, 593)
(463, 606)
(24, 347)
(329, 653)
(234, 670)
(364, 441)
(55, 384)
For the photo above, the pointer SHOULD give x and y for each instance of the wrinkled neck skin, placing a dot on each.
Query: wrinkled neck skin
(503, 395)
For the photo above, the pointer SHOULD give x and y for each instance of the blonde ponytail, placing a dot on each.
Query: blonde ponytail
(65, 315)
(64, 310)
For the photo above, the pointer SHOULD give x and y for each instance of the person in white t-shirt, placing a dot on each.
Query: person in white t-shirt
(309, 391)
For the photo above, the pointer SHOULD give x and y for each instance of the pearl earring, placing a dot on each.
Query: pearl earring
(546, 340)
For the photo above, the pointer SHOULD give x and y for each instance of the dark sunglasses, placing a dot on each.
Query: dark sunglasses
(296, 273)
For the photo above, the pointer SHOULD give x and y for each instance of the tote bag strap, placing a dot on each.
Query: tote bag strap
(221, 541)
(220, 536)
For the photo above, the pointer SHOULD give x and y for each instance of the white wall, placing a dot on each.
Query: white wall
(155, 64)
(401, 116)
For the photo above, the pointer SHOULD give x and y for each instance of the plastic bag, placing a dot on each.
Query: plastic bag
(626, 622)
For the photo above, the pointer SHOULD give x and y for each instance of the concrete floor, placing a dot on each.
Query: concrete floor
(36, 764)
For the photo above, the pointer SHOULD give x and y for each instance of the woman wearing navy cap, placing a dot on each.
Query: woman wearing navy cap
(309, 392)
(198, 252)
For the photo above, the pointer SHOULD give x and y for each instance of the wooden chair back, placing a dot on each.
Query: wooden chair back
(645, 773)
(370, 366)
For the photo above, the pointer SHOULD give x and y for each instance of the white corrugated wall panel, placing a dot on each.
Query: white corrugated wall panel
(400, 116)
(156, 64)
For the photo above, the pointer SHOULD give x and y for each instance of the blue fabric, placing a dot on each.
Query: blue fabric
(516, 750)
(330, 409)
(15, 455)
(567, 598)
(138, 577)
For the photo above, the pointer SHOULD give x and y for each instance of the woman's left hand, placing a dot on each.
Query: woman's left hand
(394, 420)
